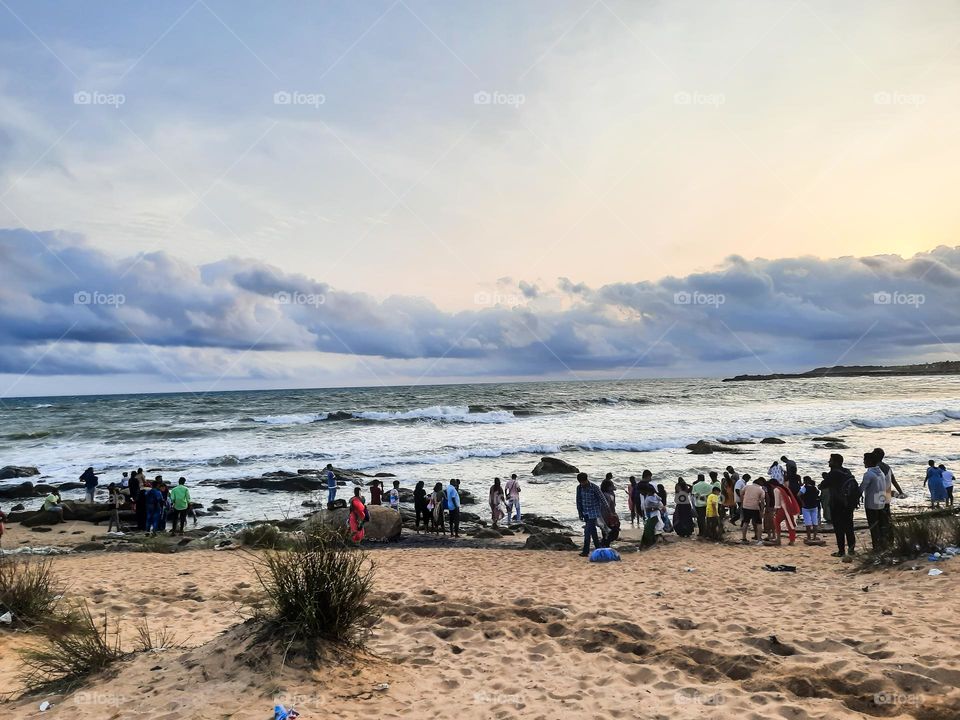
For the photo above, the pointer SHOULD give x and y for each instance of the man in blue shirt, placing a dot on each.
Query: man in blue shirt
(590, 504)
(453, 507)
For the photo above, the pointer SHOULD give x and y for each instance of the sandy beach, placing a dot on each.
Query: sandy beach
(685, 630)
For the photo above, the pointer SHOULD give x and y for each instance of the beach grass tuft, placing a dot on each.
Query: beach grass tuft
(28, 590)
(318, 596)
(148, 640)
(75, 647)
(917, 535)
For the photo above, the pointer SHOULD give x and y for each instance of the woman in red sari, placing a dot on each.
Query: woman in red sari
(787, 508)
(358, 516)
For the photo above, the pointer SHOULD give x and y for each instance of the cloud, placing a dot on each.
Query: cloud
(67, 308)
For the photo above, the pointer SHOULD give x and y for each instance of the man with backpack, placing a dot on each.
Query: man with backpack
(844, 497)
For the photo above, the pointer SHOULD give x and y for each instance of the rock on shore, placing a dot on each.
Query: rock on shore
(554, 466)
(9, 472)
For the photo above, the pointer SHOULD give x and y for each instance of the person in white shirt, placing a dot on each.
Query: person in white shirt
(394, 496)
(947, 484)
(776, 472)
(512, 492)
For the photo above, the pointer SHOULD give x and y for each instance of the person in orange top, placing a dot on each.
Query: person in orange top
(358, 516)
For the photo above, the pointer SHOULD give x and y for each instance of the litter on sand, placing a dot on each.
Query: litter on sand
(282, 713)
(935, 571)
(604, 555)
(6, 618)
(780, 568)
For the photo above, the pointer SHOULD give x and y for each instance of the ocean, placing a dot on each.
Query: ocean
(477, 432)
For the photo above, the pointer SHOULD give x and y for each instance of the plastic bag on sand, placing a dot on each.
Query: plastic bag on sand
(281, 713)
(6, 618)
(45, 705)
(935, 571)
(604, 555)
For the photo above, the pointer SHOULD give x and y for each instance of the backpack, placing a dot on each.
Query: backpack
(849, 490)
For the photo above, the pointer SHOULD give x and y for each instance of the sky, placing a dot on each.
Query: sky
(201, 195)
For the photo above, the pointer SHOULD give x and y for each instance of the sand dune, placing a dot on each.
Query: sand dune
(514, 634)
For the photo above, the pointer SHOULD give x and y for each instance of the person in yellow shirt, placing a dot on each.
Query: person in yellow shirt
(714, 529)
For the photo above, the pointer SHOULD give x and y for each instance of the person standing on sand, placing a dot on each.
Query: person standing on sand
(873, 488)
(590, 504)
(436, 504)
(610, 517)
(115, 498)
(775, 472)
(154, 506)
(358, 517)
(769, 509)
(453, 507)
(180, 497)
(790, 475)
(682, 509)
(739, 484)
(753, 499)
(495, 499)
(376, 493)
(631, 489)
(729, 498)
(844, 495)
(512, 491)
(786, 510)
(934, 483)
(810, 507)
(712, 515)
(420, 507)
(331, 484)
(653, 508)
(90, 483)
(395, 497)
(947, 478)
(701, 490)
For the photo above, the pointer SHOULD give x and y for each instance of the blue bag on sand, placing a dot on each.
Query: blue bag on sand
(604, 555)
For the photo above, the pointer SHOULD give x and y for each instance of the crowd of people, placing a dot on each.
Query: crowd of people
(781, 502)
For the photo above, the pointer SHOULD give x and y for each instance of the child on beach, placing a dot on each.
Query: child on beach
(810, 506)
(395, 496)
(714, 528)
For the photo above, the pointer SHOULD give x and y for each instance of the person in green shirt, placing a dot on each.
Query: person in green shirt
(702, 488)
(180, 497)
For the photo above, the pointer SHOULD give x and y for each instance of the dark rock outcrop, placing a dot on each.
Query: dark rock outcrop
(705, 447)
(773, 441)
(549, 541)
(9, 472)
(554, 466)
(23, 490)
